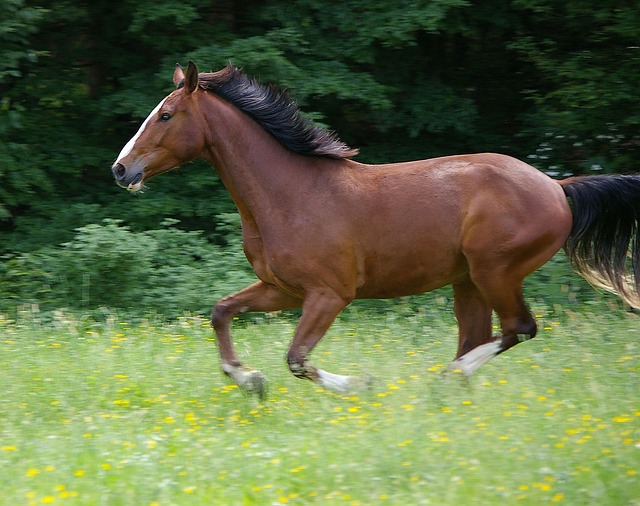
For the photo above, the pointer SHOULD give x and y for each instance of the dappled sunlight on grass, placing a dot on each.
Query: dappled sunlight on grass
(120, 413)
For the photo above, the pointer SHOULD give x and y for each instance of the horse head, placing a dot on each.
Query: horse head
(168, 137)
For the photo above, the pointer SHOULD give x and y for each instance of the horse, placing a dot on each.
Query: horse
(320, 229)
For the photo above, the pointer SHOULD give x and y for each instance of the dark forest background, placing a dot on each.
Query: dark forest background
(553, 83)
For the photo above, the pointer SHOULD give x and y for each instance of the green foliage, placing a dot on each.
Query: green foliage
(555, 287)
(167, 270)
(586, 102)
(554, 83)
(18, 22)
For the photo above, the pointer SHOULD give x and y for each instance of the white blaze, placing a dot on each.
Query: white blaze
(129, 145)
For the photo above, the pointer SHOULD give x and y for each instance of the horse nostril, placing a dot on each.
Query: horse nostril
(119, 171)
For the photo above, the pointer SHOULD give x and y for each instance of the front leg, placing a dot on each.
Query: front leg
(257, 297)
(318, 313)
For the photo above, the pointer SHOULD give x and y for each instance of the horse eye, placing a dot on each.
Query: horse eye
(165, 116)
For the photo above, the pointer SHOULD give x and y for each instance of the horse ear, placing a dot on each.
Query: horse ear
(178, 75)
(191, 78)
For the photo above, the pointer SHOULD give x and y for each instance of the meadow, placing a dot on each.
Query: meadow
(137, 412)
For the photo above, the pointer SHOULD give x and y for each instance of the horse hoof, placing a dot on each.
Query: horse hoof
(255, 383)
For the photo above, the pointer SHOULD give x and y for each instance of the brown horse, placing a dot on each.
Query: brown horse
(321, 230)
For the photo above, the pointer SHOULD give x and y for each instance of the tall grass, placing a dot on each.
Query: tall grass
(115, 413)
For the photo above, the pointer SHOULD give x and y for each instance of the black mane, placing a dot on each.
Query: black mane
(275, 111)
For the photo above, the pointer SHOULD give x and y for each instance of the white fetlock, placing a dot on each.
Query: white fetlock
(335, 382)
(472, 360)
(341, 384)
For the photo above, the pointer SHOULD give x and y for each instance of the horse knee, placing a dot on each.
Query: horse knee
(220, 314)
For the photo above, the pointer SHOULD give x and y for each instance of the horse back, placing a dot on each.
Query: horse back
(424, 222)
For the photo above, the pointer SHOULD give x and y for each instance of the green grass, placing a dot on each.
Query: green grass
(139, 414)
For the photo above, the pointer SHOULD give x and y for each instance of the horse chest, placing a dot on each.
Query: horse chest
(268, 265)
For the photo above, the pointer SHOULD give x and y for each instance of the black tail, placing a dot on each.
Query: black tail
(603, 245)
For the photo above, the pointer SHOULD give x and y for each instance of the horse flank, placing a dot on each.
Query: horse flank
(276, 112)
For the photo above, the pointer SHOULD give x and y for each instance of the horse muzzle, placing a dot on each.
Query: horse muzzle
(131, 182)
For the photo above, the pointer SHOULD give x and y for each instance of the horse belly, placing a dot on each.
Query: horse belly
(400, 273)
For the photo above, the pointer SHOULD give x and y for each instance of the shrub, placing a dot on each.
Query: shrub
(167, 270)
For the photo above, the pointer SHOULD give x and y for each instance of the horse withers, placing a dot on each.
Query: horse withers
(321, 229)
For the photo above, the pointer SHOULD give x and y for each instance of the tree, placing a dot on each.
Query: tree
(17, 24)
(587, 60)
(552, 83)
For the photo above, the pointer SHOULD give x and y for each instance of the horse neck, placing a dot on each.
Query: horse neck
(256, 169)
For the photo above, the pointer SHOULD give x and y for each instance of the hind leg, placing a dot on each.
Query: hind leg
(474, 317)
(516, 322)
